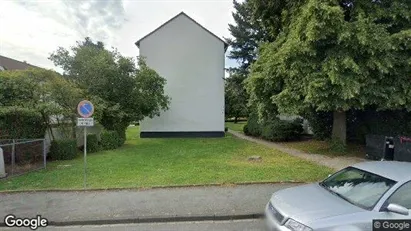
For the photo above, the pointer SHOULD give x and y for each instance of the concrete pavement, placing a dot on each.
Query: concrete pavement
(134, 206)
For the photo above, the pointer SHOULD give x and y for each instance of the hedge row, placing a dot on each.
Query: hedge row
(274, 130)
(67, 149)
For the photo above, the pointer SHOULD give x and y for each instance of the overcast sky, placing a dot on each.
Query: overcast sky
(31, 30)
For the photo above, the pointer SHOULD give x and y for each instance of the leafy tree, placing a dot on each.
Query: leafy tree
(123, 92)
(235, 97)
(334, 56)
(41, 91)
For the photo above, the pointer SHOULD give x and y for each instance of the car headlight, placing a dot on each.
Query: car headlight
(296, 226)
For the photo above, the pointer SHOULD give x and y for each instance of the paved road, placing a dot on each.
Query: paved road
(87, 207)
(236, 225)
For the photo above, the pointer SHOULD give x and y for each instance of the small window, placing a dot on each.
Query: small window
(402, 196)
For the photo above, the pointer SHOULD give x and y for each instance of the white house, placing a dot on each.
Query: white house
(191, 59)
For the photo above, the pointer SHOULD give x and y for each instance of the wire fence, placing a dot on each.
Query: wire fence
(21, 156)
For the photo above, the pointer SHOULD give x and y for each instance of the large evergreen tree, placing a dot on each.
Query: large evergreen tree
(333, 56)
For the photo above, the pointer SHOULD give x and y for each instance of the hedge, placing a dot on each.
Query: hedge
(111, 140)
(92, 143)
(253, 127)
(21, 123)
(63, 149)
(282, 130)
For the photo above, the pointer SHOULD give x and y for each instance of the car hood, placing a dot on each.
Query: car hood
(308, 203)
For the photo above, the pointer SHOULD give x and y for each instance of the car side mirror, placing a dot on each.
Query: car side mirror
(397, 209)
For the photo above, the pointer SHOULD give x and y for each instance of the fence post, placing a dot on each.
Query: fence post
(13, 156)
(44, 153)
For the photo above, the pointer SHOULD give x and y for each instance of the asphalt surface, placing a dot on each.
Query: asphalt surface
(132, 206)
(236, 225)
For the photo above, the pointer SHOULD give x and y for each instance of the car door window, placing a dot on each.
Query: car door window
(402, 196)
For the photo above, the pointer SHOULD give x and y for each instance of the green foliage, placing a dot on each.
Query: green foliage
(246, 34)
(111, 140)
(123, 92)
(333, 56)
(320, 123)
(253, 126)
(40, 90)
(21, 123)
(63, 149)
(92, 143)
(282, 130)
(245, 130)
(235, 97)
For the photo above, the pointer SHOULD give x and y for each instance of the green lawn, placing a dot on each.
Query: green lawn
(166, 162)
(323, 148)
(236, 127)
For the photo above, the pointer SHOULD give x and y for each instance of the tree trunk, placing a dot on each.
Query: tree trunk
(235, 119)
(339, 126)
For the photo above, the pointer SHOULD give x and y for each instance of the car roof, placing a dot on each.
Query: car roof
(394, 170)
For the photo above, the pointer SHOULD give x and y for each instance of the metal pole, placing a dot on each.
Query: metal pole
(85, 157)
(44, 153)
(13, 157)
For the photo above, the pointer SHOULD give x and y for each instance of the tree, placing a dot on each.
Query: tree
(246, 35)
(124, 92)
(235, 96)
(38, 91)
(335, 56)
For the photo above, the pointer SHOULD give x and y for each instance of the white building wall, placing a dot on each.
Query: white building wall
(192, 62)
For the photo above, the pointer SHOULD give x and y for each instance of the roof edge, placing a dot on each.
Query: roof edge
(137, 43)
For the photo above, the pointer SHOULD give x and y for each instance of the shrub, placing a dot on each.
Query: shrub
(253, 126)
(92, 143)
(245, 129)
(63, 149)
(111, 140)
(282, 130)
(320, 123)
(21, 123)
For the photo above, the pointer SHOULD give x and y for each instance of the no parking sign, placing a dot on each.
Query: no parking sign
(85, 109)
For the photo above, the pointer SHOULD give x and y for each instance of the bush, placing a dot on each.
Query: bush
(63, 149)
(282, 130)
(320, 123)
(92, 143)
(253, 127)
(111, 140)
(245, 130)
(21, 123)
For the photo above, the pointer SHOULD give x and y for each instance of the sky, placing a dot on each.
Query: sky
(31, 30)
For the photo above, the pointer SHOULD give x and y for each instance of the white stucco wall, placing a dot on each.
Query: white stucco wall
(192, 62)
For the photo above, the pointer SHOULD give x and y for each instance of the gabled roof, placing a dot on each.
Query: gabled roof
(12, 64)
(182, 13)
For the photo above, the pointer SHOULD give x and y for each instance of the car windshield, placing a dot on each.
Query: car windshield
(358, 187)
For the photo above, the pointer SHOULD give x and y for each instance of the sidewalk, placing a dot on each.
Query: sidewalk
(133, 206)
(336, 163)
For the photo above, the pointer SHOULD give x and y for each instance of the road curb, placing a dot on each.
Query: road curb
(153, 187)
(154, 220)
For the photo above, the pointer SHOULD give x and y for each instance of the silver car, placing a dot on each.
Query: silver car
(348, 200)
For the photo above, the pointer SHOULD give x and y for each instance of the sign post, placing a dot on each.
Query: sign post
(85, 109)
